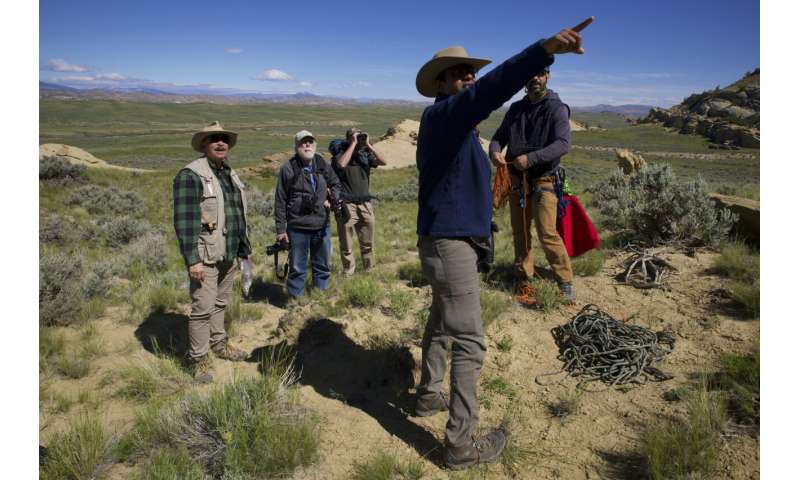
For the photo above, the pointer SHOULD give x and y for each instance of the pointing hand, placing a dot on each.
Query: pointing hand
(568, 40)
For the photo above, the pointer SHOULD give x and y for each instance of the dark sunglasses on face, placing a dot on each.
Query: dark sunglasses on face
(217, 138)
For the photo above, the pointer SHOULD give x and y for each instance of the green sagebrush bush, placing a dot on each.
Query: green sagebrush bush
(66, 284)
(260, 203)
(652, 206)
(60, 169)
(122, 230)
(107, 200)
(56, 229)
(407, 192)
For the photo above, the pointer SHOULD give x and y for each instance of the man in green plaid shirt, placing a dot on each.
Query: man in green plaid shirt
(210, 209)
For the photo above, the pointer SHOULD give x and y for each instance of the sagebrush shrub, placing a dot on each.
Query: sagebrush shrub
(109, 200)
(56, 229)
(407, 192)
(123, 230)
(60, 298)
(95, 281)
(652, 206)
(59, 168)
(260, 203)
(150, 250)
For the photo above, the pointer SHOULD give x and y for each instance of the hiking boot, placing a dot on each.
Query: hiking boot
(568, 292)
(431, 404)
(526, 294)
(201, 369)
(225, 351)
(481, 450)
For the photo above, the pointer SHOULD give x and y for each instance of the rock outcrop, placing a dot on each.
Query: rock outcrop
(748, 225)
(629, 161)
(78, 156)
(728, 117)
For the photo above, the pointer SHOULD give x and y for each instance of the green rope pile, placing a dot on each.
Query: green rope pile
(596, 346)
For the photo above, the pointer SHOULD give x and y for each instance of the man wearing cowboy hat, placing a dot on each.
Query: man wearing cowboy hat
(537, 133)
(454, 219)
(210, 222)
(301, 213)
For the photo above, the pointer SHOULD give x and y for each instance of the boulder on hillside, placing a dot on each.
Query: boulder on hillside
(78, 156)
(748, 226)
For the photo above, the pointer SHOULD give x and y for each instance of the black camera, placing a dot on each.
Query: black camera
(361, 138)
(277, 247)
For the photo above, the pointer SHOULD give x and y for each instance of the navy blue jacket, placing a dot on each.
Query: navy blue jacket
(455, 198)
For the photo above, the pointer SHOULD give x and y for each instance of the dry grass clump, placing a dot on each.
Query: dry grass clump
(147, 378)
(384, 465)
(493, 304)
(249, 428)
(741, 264)
(653, 207)
(77, 453)
(156, 294)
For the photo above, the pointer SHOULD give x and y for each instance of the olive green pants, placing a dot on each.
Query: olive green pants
(454, 319)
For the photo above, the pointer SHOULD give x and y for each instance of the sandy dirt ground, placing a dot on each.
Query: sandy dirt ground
(361, 388)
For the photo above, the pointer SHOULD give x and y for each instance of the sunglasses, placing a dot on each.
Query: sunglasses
(217, 138)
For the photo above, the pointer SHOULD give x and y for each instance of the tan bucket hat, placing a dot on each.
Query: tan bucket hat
(441, 61)
(211, 129)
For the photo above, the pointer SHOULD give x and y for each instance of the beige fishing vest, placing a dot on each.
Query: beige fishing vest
(211, 244)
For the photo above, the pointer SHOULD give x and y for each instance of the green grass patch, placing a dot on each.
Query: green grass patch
(146, 378)
(493, 304)
(500, 386)
(400, 303)
(548, 295)
(251, 427)
(741, 264)
(680, 448)
(411, 272)
(505, 344)
(77, 453)
(363, 291)
(588, 264)
(384, 465)
(740, 378)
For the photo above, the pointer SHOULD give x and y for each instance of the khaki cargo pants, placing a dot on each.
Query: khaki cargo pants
(209, 299)
(541, 208)
(362, 221)
(449, 264)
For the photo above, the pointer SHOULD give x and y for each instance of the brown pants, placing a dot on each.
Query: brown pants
(209, 299)
(542, 209)
(362, 221)
(455, 317)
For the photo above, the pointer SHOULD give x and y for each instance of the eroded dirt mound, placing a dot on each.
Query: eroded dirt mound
(77, 156)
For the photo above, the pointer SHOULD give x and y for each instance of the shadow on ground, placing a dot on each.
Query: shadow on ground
(270, 292)
(373, 379)
(624, 466)
(164, 332)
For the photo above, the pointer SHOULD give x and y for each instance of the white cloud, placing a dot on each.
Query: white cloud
(273, 75)
(306, 83)
(61, 65)
(113, 77)
(234, 51)
(75, 79)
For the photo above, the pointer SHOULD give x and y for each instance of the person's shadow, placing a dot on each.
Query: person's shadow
(375, 380)
(271, 292)
(164, 333)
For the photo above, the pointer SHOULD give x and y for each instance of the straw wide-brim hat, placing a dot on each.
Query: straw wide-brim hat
(441, 61)
(211, 129)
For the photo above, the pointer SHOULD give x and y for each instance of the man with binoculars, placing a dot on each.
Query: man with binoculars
(301, 213)
(352, 160)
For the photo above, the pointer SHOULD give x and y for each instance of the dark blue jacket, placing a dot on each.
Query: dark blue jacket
(455, 198)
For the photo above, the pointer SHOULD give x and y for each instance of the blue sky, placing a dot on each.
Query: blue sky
(636, 52)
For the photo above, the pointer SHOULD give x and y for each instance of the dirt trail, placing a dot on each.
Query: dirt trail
(358, 382)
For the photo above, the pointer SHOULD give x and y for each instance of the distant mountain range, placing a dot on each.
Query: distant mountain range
(629, 110)
(189, 94)
(202, 94)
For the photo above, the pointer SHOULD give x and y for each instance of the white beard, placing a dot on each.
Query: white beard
(307, 156)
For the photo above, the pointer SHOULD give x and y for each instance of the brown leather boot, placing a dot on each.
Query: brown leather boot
(481, 450)
(225, 351)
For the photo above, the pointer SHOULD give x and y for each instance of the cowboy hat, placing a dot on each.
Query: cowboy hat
(211, 129)
(441, 61)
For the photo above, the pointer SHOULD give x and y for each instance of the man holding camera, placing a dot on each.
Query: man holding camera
(352, 161)
(455, 213)
(210, 211)
(301, 213)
